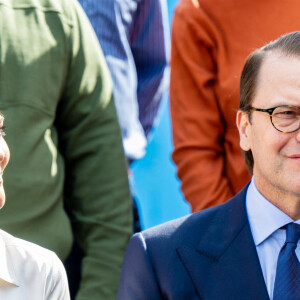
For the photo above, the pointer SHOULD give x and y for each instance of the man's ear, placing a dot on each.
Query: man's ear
(244, 127)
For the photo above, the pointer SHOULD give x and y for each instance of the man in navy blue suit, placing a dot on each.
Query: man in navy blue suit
(246, 248)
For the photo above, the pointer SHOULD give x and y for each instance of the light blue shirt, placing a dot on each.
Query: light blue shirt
(135, 38)
(265, 222)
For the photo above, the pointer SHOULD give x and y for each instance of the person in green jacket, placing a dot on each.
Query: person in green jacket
(65, 141)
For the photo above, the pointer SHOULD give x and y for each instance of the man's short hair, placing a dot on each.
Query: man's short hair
(288, 45)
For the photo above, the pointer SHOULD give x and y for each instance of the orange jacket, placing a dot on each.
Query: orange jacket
(210, 42)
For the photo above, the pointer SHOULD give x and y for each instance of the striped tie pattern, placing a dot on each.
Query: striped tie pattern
(287, 281)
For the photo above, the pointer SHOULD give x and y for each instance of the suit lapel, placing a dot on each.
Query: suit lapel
(225, 264)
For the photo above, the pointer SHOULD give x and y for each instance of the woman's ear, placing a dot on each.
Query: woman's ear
(244, 127)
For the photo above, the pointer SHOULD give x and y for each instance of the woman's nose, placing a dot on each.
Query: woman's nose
(2, 155)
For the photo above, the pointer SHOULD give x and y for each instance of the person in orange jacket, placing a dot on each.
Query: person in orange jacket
(210, 43)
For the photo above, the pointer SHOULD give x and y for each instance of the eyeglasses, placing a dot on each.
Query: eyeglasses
(284, 118)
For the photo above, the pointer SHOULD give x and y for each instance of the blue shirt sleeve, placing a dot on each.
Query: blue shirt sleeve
(134, 36)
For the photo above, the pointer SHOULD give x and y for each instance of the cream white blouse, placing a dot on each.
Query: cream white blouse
(30, 272)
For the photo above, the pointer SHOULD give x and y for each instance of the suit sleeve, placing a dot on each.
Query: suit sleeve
(138, 281)
(196, 119)
(97, 192)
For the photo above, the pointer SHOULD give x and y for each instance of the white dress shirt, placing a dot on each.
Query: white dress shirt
(30, 272)
(265, 222)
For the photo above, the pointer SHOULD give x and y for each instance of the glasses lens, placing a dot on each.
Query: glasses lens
(286, 118)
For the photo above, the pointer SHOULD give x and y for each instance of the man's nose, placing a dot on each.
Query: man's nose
(298, 135)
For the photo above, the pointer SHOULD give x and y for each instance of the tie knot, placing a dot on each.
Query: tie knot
(292, 233)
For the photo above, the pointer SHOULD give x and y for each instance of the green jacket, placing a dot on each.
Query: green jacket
(64, 138)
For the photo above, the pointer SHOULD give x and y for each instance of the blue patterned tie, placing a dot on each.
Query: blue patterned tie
(287, 281)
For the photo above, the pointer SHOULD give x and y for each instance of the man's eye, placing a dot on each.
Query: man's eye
(287, 113)
(2, 131)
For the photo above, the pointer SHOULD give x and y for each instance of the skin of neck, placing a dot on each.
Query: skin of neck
(287, 201)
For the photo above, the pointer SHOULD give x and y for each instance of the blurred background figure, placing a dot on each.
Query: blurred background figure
(134, 36)
(65, 140)
(210, 42)
(155, 182)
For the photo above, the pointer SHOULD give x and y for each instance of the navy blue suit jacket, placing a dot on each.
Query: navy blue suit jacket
(207, 255)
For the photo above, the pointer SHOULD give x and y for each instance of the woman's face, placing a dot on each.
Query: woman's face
(4, 158)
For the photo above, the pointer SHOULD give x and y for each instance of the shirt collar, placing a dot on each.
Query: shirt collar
(264, 217)
(7, 272)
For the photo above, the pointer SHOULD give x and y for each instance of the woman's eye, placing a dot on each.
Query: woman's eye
(2, 131)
